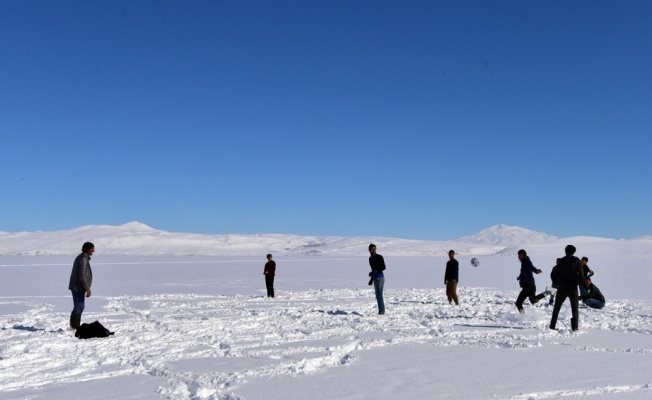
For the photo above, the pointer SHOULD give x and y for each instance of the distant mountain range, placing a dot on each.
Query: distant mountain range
(135, 238)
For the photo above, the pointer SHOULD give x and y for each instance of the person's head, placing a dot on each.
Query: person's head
(88, 248)
(570, 250)
(522, 254)
(585, 259)
(269, 257)
(588, 281)
(451, 254)
(372, 248)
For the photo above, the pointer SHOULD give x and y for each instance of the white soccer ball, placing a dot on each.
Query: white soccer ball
(475, 262)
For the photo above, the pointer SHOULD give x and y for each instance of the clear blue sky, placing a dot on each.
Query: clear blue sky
(425, 120)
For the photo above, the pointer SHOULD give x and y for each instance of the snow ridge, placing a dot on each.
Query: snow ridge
(135, 238)
(504, 235)
(138, 239)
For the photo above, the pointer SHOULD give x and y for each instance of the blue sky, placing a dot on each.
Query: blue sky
(425, 120)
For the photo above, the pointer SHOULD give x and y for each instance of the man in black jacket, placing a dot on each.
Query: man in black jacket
(270, 272)
(377, 264)
(451, 277)
(526, 281)
(568, 272)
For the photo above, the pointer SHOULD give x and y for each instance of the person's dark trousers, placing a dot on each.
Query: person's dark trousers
(269, 282)
(528, 291)
(78, 300)
(561, 296)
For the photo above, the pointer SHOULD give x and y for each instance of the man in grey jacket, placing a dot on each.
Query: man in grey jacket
(81, 279)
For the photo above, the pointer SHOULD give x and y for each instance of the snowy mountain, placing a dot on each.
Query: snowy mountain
(135, 238)
(504, 235)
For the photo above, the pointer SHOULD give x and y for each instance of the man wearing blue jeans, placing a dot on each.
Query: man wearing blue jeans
(81, 279)
(377, 264)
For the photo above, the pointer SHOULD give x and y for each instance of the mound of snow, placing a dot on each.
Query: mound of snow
(504, 235)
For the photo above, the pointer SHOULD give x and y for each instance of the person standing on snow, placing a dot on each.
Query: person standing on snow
(81, 279)
(451, 277)
(526, 281)
(270, 272)
(588, 272)
(569, 274)
(377, 264)
(553, 278)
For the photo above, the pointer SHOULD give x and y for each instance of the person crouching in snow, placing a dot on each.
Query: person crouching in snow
(594, 297)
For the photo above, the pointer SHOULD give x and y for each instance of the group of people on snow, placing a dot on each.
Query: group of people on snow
(569, 273)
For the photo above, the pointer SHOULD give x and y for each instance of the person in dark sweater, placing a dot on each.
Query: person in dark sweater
(594, 298)
(569, 274)
(270, 272)
(377, 264)
(526, 282)
(588, 272)
(451, 277)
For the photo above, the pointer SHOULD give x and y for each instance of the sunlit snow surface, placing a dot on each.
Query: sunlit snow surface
(200, 328)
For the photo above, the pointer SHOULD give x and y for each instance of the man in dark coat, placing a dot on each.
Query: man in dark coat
(526, 282)
(81, 279)
(569, 274)
(451, 277)
(270, 272)
(377, 264)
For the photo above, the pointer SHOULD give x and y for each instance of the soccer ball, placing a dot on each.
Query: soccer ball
(475, 262)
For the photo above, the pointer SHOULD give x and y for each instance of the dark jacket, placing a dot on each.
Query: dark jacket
(270, 268)
(81, 277)
(594, 293)
(527, 272)
(553, 276)
(377, 264)
(588, 272)
(452, 271)
(569, 272)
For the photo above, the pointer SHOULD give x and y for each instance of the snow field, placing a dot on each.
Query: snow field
(319, 343)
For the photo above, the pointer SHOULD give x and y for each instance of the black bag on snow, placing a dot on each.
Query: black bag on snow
(93, 330)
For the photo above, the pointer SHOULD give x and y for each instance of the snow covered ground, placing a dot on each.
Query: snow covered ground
(200, 328)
